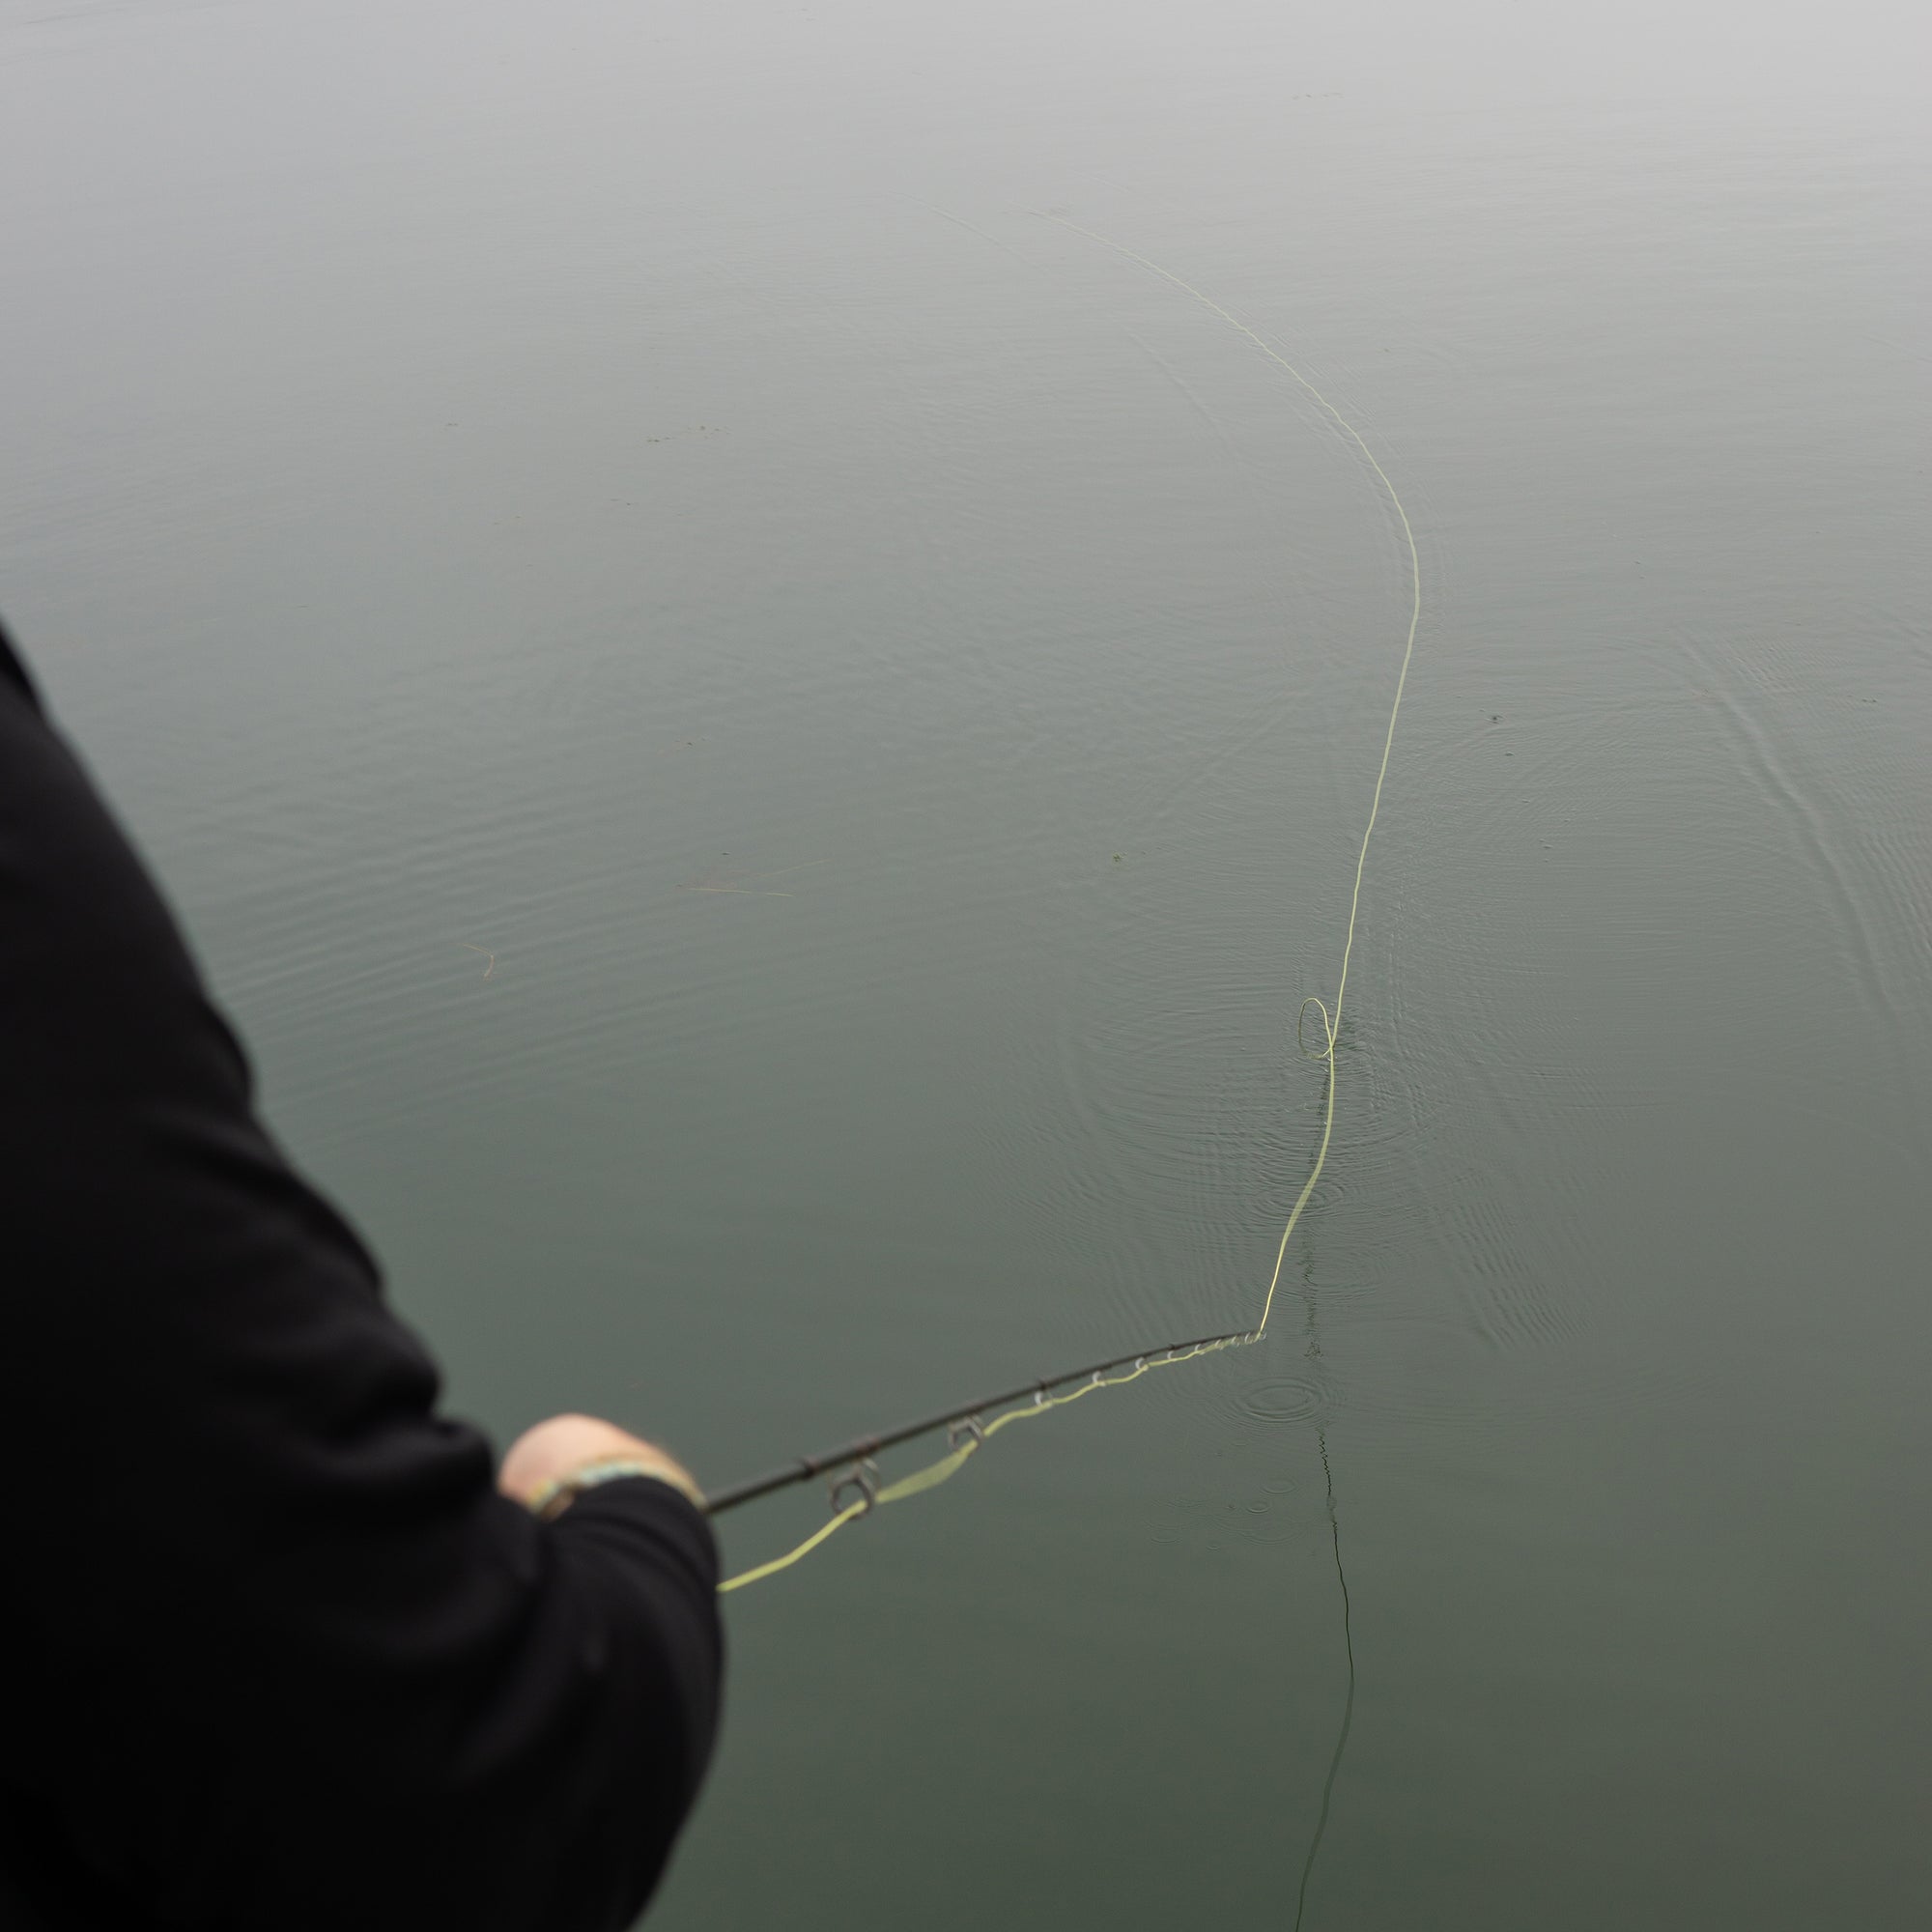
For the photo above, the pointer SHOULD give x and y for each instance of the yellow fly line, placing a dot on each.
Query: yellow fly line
(949, 1465)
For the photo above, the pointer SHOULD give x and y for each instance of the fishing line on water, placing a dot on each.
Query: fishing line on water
(1331, 1022)
(860, 1474)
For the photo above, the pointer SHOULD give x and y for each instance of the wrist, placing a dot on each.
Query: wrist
(545, 1457)
(549, 1498)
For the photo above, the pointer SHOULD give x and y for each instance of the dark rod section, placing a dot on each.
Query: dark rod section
(807, 1466)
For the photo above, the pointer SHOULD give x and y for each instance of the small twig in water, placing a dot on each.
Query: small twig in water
(486, 952)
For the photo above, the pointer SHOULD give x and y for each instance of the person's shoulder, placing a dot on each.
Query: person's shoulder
(14, 679)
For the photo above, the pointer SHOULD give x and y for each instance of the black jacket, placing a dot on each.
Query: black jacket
(274, 1651)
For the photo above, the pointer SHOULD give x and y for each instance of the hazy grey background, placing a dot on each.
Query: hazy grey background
(470, 476)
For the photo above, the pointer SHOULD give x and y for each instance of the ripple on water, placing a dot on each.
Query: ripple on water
(1284, 1399)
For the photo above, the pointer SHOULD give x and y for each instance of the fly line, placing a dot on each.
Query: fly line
(970, 1428)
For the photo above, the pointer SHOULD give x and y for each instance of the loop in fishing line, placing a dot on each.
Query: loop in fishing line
(1327, 1028)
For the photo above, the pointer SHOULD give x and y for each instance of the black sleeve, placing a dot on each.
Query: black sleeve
(280, 1655)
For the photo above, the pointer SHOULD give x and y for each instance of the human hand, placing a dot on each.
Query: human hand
(553, 1450)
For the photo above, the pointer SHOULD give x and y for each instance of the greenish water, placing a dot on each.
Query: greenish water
(479, 480)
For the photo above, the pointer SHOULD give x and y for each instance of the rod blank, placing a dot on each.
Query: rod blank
(805, 1467)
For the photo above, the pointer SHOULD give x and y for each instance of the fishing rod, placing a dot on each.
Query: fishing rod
(853, 1456)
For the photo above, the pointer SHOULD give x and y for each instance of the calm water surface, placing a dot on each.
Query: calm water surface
(766, 744)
